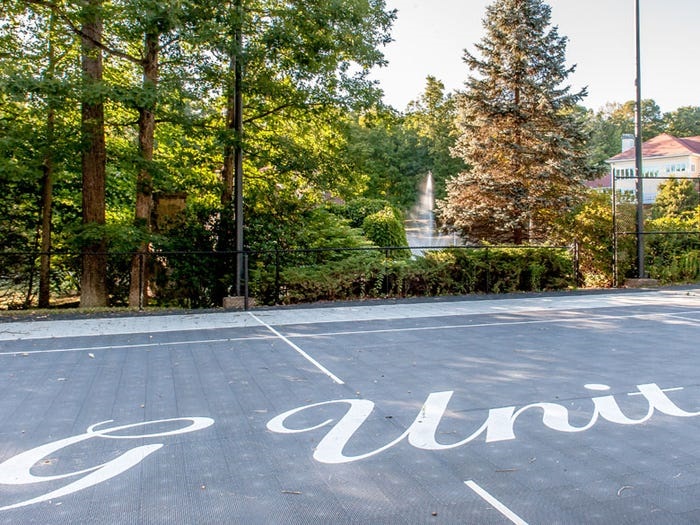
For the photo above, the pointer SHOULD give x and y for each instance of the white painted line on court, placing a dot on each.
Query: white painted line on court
(500, 507)
(301, 352)
(16, 330)
(685, 299)
(595, 318)
(15, 353)
(681, 317)
(419, 328)
(591, 319)
(676, 389)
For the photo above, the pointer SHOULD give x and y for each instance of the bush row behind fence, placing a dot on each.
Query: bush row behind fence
(202, 279)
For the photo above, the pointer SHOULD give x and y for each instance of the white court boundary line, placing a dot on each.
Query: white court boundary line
(500, 507)
(24, 353)
(26, 330)
(594, 318)
(301, 352)
(690, 319)
(673, 315)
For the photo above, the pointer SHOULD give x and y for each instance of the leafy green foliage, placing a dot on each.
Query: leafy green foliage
(290, 237)
(305, 66)
(391, 156)
(673, 233)
(590, 226)
(671, 254)
(368, 274)
(185, 268)
(676, 198)
(358, 209)
(349, 278)
(516, 269)
(384, 228)
(433, 117)
(683, 122)
(607, 125)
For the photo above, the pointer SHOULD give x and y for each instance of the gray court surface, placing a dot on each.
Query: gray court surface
(561, 408)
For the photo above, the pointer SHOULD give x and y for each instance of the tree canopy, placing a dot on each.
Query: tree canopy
(157, 85)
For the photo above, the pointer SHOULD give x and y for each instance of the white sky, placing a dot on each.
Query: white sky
(430, 36)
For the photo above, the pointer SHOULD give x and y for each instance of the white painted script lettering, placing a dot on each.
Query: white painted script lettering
(17, 469)
(499, 424)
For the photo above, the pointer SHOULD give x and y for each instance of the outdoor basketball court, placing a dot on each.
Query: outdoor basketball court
(561, 408)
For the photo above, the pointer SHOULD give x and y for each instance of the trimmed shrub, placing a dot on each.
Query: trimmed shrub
(500, 270)
(356, 277)
(383, 228)
(671, 256)
(357, 210)
(446, 272)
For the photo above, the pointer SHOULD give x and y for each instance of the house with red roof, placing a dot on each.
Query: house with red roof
(663, 157)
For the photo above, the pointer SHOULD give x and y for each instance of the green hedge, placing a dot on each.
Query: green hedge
(672, 257)
(677, 268)
(446, 272)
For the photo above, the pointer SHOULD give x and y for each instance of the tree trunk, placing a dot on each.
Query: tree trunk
(93, 281)
(138, 295)
(46, 208)
(47, 186)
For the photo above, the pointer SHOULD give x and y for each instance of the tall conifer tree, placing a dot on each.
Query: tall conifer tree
(519, 131)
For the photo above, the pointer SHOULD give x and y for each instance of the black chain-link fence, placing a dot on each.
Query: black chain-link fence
(670, 248)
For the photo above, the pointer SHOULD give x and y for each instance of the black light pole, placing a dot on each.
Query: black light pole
(238, 149)
(638, 154)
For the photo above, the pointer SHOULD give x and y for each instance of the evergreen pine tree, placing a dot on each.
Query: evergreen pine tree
(519, 129)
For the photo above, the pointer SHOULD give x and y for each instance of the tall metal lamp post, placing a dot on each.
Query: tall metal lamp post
(638, 153)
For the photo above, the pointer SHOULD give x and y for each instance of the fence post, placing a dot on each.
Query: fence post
(245, 281)
(386, 272)
(277, 275)
(577, 263)
(488, 271)
(140, 281)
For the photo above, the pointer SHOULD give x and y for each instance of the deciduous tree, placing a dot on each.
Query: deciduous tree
(683, 122)
(35, 63)
(676, 198)
(433, 117)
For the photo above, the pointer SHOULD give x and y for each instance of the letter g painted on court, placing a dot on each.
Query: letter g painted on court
(17, 469)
